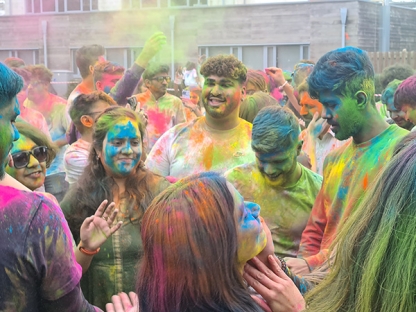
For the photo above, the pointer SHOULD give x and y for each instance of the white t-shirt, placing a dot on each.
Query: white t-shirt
(193, 147)
(76, 159)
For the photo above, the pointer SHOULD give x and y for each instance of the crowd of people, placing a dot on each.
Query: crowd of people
(240, 190)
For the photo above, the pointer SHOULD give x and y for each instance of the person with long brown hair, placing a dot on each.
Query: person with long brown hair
(115, 172)
(197, 237)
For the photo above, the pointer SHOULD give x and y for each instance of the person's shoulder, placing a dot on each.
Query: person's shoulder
(239, 171)
(395, 130)
(247, 126)
(11, 198)
(311, 176)
(57, 99)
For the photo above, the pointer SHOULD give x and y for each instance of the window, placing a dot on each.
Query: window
(260, 57)
(29, 56)
(46, 6)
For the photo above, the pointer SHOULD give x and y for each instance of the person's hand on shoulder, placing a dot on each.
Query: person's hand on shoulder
(123, 303)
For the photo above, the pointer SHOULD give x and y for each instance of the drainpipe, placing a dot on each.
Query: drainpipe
(45, 49)
(172, 44)
(343, 23)
(385, 30)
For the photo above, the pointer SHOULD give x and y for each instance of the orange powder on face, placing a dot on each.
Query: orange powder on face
(314, 105)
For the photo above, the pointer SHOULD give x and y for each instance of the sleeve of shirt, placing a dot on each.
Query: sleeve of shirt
(74, 163)
(49, 249)
(310, 244)
(158, 160)
(180, 112)
(125, 87)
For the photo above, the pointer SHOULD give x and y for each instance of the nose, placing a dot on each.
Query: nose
(127, 149)
(269, 170)
(253, 207)
(215, 90)
(16, 134)
(33, 162)
(394, 115)
(326, 113)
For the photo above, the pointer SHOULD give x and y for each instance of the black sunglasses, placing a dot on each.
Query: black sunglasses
(160, 79)
(21, 159)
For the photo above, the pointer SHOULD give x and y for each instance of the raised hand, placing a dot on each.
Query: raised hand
(276, 288)
(123, 303)
(318, 127)
(152, 46)
(276, 74)
(96, 229)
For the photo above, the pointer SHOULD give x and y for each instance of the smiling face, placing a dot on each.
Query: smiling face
(397, 115)
(8, 132)
(33, 175)
(251, 237)
(409, 113)
(122, 148)
(278, 168)
(342, 113)
(308, 107)
(221, 96)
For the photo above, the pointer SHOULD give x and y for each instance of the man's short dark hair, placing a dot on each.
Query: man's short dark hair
(225, 66)
(406, 93)
(83, 103)
(275, 129)
(87, 56)
(343, 71)
(10, 85)
(154, 69)
(106, 67)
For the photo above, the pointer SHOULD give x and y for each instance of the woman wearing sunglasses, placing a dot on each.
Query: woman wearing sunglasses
(31, 154)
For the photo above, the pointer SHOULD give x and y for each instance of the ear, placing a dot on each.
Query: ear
(10, 162)
(98, 86)
(362, 99)
(87, 121)
(243, 93)
(147, 83)
(91, 69)
(299, 148)
(99, 154)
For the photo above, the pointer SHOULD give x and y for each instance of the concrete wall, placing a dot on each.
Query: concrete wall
(314, 23)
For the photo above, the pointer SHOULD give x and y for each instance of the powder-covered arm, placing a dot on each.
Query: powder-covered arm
(310, 244)
(158, 160)
(49, 250)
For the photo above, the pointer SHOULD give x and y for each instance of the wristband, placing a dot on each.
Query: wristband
(283, 84)
(88, 252)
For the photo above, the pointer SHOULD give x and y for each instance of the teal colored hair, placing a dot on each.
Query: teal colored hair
(343, 71)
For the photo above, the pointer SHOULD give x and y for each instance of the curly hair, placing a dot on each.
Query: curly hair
(95, 185)
(39, 138)
(83, 103)
(406, 93)
(389, 91)
(108, 68)
(153, 69)
(397, 71)
(224, 66)
(41, 73)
